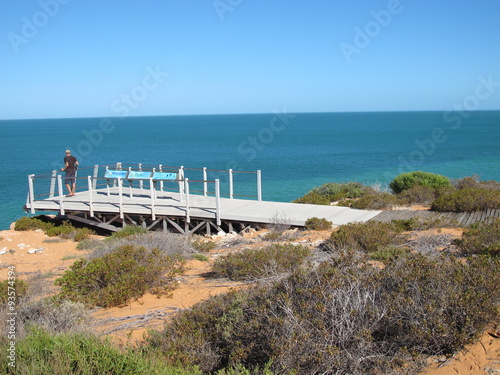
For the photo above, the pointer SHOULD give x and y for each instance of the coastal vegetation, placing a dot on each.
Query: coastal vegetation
(369, 298)
(413, 188)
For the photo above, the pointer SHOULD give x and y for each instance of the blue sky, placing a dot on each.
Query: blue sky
(103, 58)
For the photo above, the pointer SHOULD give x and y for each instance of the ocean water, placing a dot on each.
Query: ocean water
(295, 152)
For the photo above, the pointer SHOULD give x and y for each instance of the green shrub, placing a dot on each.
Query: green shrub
(17, 288)
(315, 223)
(375, 201)
(404, 225)
(418, 194)
(481, 238)
(115, 278)
(65, 230)
(389, 253)
(252, 264)
(313, 198)
(467, 200)
(83, 234)
(408, 180)
(352, 320)
(31, 223)
(43, 353)
(202, 245)
(129, 230)
(335, 191)
(367, 237)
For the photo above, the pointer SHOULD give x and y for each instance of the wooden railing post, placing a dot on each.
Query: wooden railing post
(120, 196)
(160, 169)
(230, 184)
(205, 182)
(96, 174)
(186, 190)
(141, 183)
(61, 194)
(259, 185)
(217, 201)
(31, 193)
(153, 197)
(53, 180)
(181, 187)
(91, 204)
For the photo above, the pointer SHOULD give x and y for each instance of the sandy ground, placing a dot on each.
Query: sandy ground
(129, 324)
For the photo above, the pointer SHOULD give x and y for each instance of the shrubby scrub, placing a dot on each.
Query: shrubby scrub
(343, 318)
(251, 264)
(119, 276)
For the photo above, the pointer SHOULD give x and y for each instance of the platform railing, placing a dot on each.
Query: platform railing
(53, 182)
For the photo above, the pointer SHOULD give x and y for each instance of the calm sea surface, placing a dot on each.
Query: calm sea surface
(295, 152)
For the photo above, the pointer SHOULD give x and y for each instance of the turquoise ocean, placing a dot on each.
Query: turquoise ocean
(295, 152)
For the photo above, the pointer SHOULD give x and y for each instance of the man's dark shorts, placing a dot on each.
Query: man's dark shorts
(70, 178)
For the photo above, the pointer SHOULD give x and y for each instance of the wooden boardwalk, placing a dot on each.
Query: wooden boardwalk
(462, 218)
(188, 213)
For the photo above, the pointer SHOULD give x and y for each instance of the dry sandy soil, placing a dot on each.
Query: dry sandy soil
(128, 324)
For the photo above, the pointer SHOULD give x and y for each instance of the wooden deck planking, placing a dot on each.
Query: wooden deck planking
(170, 205)
(463, 218)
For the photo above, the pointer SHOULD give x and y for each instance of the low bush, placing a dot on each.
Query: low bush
(389, 253)
(65, 230)
(375, 201)
(17, 289)
(251, 264)
(116, 278)
(43, 353)
(129, 230)
(367, 237)
(203, 245)
(343, 320)
(331, 192)
(468, 200)
(408, 180)
(335, 191)
(419, 194)
(313, 198)
(83, 234)
(32, 223)
(315, 223)
(167, 243)
(481, 238)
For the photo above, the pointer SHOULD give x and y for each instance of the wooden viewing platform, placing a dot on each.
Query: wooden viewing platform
(164, 198)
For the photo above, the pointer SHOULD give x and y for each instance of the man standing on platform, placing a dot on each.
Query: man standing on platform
(70, 166)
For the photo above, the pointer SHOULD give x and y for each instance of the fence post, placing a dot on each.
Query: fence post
(61, 194)
(181, 178)
(160, 169)
(230, 184)
(91, 205)
(31, 193)
(153, 196)
(141, 184)
(120, 196)
(96, 174)
(259, 185)
(53, 184)
(217, 201)
(205, 183)
(186, 189)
